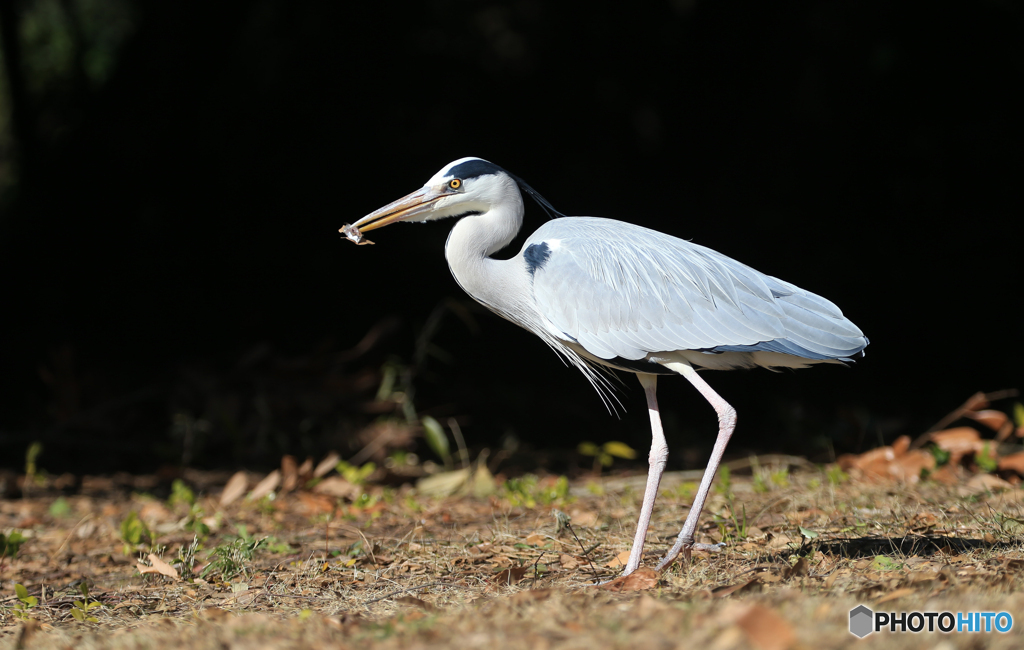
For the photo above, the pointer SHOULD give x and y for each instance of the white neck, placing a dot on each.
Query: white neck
(475, 238)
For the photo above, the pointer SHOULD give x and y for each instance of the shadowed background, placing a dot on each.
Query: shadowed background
(174, 175)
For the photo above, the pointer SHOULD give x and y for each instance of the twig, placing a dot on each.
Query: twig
(402, 591)
(975, 401)
(536, 566)
(586, 551)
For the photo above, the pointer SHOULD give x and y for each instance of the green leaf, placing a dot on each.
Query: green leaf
(619, 449)
(78, 614)
(986, 459)
(1018, 414)
(436, 439)
(883, 563)
(588, 449)
(21, 592)
(60, 508)
(809, 534)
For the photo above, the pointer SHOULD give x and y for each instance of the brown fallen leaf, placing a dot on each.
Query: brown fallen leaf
(315, 504)
(619, 560)
(722, 592)
(801, 568)
(568, 561)
(336, 486)
(289, 473)
(325, 466)
(642, 578)
(980, 483)
(235, 488)
(995, 420)
(266, 486)
(511, 575)
(765, 629)
(157, 566)
(536, 539)
(958, 442)
(1012, 463)
(907, 467)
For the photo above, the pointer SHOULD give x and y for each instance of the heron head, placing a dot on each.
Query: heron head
(464, 187)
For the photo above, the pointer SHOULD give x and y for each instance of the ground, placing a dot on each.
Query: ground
(345, 563)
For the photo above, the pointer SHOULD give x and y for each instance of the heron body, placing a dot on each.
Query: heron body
(607, 293)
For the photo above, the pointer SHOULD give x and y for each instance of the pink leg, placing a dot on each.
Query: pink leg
(656, 462)
(726, 424)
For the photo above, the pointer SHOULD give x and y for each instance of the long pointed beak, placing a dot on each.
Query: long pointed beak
(408, 206)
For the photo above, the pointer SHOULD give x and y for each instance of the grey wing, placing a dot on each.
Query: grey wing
(620, 290)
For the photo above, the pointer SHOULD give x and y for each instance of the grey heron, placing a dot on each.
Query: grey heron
(607, 293)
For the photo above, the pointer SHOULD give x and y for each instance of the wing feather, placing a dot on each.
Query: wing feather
(621, 290)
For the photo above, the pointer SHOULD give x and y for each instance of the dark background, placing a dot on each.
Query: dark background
(174, 184)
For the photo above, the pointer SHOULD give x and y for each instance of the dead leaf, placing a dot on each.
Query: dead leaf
(235, 488)
(511, 575)
(907, 467)
(722, 592)
(1012, 463)
(642, 578)
(958, 442)
(482, 483)
(289, 473)
(157, 566)
(329, 462)
(893, 595)
(266, 486)
(536, 539)
(995, 420)
(316, 504)
(980, 483)
(443, 484)
(765, 629)
(568, 562)
(336, 486)
(619, 560)
(781, 541)
(801, 568)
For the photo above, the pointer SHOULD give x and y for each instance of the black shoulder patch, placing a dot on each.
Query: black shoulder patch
(474, 168)
(536, 255)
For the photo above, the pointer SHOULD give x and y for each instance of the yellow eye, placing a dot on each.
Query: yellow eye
(455, 183)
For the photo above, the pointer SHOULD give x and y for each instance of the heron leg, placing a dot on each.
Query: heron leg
(726, 424)
(656, 461)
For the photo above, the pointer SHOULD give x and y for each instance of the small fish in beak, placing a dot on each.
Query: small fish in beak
(354, 235)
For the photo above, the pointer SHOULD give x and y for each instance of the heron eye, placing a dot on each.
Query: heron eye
(455, 183)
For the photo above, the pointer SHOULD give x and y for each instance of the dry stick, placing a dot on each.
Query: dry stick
(586, 551)
(402, 591)
(536, 567)
(969, 405)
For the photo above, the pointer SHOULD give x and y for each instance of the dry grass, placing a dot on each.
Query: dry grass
(393, 569)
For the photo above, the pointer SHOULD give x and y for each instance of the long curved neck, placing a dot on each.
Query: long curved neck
(475, 238)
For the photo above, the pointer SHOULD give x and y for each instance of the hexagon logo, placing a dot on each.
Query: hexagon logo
(862, 620)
